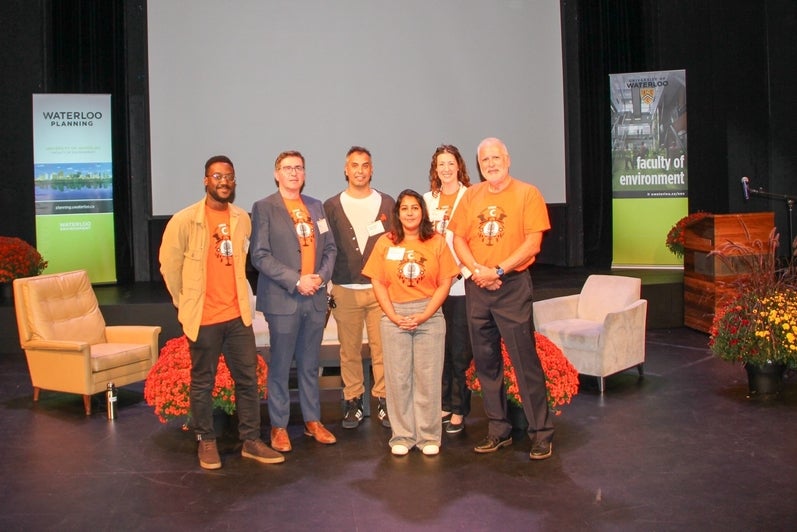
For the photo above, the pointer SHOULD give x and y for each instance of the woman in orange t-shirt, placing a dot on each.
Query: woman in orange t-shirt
(411, 269)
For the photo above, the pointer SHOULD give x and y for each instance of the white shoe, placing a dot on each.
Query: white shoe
(399, 450)
(431, 449)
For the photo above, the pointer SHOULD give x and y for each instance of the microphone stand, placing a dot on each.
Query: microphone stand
(789, 205)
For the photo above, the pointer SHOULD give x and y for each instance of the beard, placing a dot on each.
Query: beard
(215, 195)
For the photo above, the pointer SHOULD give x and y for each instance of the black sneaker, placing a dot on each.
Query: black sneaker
(490, 444)
(541, 450)
(381, 412)
(455, 428)
(354, 413)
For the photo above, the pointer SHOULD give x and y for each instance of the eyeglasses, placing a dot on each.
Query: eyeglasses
(290, 169)
(218, 177)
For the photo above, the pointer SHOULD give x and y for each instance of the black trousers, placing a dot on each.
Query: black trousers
(506, 314)
(458, 354)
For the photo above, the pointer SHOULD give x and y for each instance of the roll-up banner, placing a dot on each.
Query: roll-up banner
(649, 165)
(73, 178)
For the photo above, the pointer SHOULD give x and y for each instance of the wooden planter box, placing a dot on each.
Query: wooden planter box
(708, 279)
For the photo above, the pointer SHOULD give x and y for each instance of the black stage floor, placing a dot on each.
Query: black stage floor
(681, 449)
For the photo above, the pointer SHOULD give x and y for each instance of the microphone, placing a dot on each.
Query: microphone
(746, 187)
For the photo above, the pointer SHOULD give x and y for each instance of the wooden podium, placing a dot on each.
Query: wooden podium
(707, 279)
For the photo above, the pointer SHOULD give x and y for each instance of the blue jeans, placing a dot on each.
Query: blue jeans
(237, 342)
(294, 336)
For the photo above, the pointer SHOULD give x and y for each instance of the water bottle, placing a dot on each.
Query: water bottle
(110, 400)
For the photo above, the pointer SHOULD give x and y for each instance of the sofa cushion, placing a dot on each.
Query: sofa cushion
(573, 333)
(107, 356)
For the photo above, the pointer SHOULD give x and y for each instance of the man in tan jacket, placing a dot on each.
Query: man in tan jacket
(203, 258)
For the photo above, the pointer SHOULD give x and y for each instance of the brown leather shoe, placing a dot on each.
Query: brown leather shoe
(316, 430)
(280, 440)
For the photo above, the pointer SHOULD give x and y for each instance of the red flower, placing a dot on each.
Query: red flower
(675, 238)
(561, 378)
(168, 382)
(18, 259)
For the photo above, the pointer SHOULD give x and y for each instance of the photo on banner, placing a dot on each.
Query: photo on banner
(649, 165)
(73, 181)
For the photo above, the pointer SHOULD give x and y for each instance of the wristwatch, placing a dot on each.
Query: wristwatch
(499, 271)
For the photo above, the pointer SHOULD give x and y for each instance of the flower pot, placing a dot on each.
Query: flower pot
(764, 379)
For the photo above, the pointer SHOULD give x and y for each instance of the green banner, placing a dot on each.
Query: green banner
(73, 179)
(649, 165)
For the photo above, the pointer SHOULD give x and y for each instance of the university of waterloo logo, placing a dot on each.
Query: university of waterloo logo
(491, 225)
(412, 269)
(647, 95)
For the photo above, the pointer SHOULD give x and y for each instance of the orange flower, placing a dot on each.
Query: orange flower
(169, 382)
(561, 378)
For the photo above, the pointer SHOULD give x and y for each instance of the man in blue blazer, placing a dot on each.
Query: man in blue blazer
(294, 253)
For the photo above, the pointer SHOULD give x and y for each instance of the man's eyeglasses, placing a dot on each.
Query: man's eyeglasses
(218, 177)
(291, 169)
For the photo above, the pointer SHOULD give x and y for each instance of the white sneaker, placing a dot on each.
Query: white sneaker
(431, 449)
(399, 450)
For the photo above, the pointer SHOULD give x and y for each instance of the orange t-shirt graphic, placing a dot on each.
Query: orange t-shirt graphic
(305, 232)
(221, 297)
(444, 207)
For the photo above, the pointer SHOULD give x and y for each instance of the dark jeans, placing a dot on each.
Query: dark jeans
(237, 342)
(506, 314)
(458, 354)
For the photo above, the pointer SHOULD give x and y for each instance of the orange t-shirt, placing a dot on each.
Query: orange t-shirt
(495, 223)
(221, 297)
(305, 232)
(412, 269)
(444, 206)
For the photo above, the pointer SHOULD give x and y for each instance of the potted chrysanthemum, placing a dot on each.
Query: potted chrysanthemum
(18, 259)
(561, 377)
(676, 238)
(757, 324)
(169, 381)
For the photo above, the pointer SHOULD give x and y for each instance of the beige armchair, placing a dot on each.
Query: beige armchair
(601, 330)
(67, 344)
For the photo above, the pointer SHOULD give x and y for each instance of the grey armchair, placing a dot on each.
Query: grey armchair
(601, 330)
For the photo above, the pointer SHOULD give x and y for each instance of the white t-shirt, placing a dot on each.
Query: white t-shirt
(361, 212)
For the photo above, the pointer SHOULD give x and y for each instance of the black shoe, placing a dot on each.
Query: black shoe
(354, 413)
(446, 419)
(490, 444)
(381, 412)
(541, 450)
(455, 428)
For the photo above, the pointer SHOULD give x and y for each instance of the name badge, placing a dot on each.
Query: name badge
(395, 253)
(322, 226)
(437, 215)
(376, 228)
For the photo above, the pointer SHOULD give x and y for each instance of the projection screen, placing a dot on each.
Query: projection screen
(251, 78)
